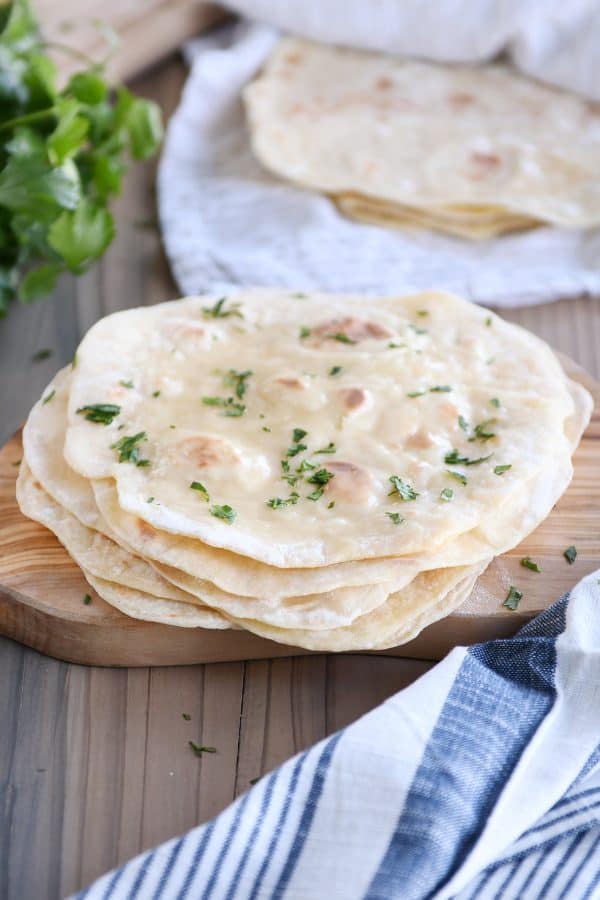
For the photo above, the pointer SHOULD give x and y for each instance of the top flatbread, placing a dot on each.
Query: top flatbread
(426, 136)
(343, 374)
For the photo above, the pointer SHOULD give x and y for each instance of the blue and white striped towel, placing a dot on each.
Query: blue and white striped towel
(480, 780)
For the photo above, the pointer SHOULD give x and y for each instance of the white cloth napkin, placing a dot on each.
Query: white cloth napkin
(481, 780)
(227, 223)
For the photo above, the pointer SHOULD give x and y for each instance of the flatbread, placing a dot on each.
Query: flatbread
(105, 562)
(424, 344)
(429, 142)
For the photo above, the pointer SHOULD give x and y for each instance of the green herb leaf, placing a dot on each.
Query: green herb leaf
(237, 380)
(488, 321)
(279, 503)
(447, 494)
(87, 599)
(199, 750)
(513, 598)
(500, 470)
(41, 355)
(156, 393)
(306, 466)
(186, 716)
(335, 370)
(463, 424)
(128, 449)
(395, 517)
(570, 554)
(482, 431)
(127, 384)
(321, 476)
(298, 434)
(316, 494)
(528, 563)
(341, 337)
(218, 311)
(454, 458)
(422, 312)
(101, 413)
(416, 329)
(199, 487)
(223, 512)
(304, 332)
(440, 389)
(296, 449)
(401, 488)
(495, 402)
(81, 236)
(330, 448)
(416, 394)
(458, 475)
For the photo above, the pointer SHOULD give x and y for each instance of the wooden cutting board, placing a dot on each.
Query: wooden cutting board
(42, 590)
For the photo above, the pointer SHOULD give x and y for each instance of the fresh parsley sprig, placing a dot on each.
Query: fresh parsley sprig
(62, 158)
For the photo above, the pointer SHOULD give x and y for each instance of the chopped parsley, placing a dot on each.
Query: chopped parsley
(335, 370)
(416, 394)
(513, 598)
(156, 393)
(305, 466)
(299, 295)
(279, 503)
(495, 402)
(49, 397)
(150, 500)
(86, 599)
(296, 449)
(228, 405)
(128, 449)
(422, 312)
(321, 476)
(482, 431)
(41, 355)
(237, 380)
(458, 475)
(265, 428)
(186, 716)
(199, 750)
(394, 346)
(395, 517)
(500, 470)
(416, 329)
(488, 321)
(330, 448)
(447, 494)
(316, 494)
(440, 389)
(341, 337)
(570, 554)
(199, 487)
(102, 413)
(402, 488)
(528, 563)
(298, 434)
(454, 458)
(305, 332)
(223, 512)
(218, 311)
(287, 476)
(463, 424)
(331, 504)
(127, 384)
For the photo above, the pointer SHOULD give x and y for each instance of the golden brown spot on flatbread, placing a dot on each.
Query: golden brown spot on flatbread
(421, 439)
(350, 482)
(203, 450)
(145, 529)
(384, 84)
(351, 327)
(353, 397)
(293, 58)
(184, 329)
(460, 100)
(484, 164)
(295, 384)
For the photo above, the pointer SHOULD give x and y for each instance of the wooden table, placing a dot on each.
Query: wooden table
(95, 763)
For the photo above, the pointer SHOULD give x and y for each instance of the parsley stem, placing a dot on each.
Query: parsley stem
(28, 117)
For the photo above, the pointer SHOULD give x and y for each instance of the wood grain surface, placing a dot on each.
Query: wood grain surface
(41, 588)
(94, 762)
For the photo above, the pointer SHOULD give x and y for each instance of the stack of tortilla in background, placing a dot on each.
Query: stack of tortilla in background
(321, 470)
(473, 151)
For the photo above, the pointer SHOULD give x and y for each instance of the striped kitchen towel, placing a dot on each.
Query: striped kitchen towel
(480, 780)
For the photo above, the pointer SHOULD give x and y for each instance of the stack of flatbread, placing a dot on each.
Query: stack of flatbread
(321, 470)
(472, 151)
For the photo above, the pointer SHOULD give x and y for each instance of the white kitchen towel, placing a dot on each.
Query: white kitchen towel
(480, 780)
(226, 222)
